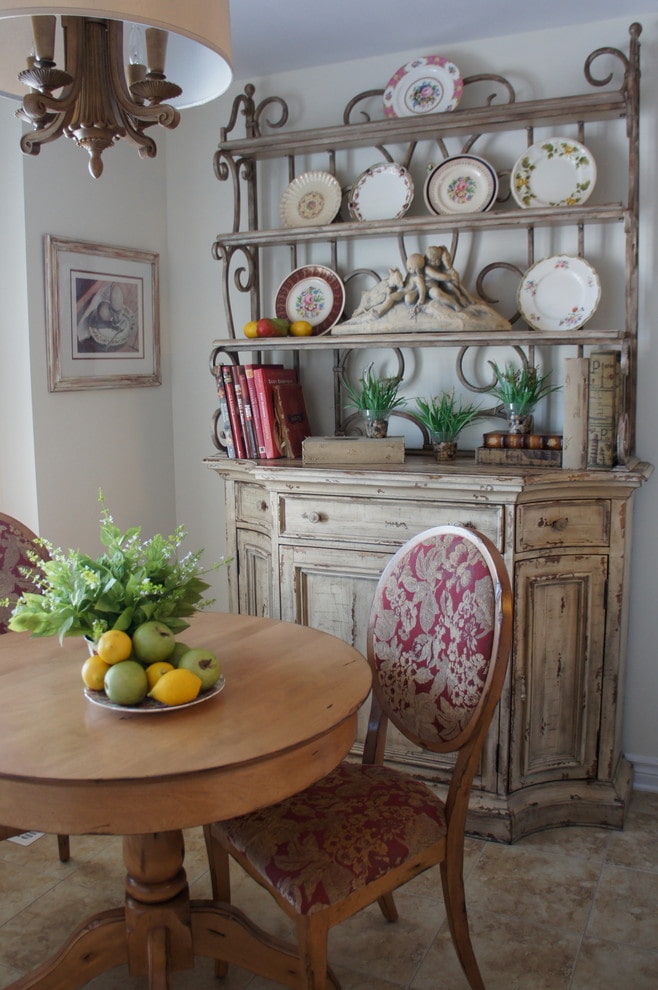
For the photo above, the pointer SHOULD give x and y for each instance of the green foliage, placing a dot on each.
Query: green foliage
(133, 581)
(375, 392)
(521, 387)
(443, 415)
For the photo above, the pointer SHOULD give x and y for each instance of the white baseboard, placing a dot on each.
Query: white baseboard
(645, 772)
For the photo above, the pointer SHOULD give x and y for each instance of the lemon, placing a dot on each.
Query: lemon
(114, 646)
(94, 670)
(126, 683)
(301, 328)
(154, 671)
(176, 687)
(250, 328)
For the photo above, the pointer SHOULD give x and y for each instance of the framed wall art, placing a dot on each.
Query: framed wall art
(102, 316)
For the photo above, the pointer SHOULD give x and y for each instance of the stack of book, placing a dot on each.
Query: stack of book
(263, 410)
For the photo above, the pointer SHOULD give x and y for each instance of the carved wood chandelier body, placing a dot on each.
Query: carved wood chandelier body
(93, 96)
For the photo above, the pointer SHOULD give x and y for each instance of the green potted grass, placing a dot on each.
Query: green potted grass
(519, 390)
(376, 397)
(445, 417)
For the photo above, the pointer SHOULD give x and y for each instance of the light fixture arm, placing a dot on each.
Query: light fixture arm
(95, 107)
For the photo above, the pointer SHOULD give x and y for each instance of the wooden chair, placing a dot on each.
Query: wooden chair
(15, 541)
(438, 642)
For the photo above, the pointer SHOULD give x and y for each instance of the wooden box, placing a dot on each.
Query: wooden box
(353, 450)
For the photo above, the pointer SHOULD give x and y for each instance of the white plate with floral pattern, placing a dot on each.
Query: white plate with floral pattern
(555, 172)
(429, 84)
(383, 192)
(559, 293)
(312, 198)
(312, 293)
(149, 705)
(461, 184)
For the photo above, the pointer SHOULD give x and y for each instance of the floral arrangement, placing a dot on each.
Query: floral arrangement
(132, 582)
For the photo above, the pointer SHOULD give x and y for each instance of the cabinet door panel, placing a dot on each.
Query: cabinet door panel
(332, 590)
(255, 591)
(558, 658)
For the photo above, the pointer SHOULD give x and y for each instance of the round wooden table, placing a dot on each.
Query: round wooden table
(286, 716)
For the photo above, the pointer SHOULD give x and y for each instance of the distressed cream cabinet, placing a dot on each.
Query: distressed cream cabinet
(309, 545)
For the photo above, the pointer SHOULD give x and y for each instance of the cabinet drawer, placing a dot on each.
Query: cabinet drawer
(581, 523)
(252, 506)
(360, 520)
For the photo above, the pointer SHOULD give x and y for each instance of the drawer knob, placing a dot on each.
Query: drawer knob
(560, 524)
(313, 517)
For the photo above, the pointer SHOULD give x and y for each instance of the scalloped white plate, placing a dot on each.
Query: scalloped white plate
(383, 192)
(559, 293)
(312, 198)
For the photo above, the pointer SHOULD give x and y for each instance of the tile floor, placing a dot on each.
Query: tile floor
(565, 909)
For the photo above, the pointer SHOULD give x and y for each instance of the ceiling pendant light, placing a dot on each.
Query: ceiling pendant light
(102, 77)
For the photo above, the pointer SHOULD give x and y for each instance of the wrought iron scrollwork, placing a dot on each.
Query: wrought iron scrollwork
(245, 106)
(245, 278)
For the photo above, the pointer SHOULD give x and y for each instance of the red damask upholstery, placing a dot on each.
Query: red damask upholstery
(438, 642)
(15, 542)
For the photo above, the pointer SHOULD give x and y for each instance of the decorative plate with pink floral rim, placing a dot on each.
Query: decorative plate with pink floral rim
(428, 84)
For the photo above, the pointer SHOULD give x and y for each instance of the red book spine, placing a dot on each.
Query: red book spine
(264, 378)
(234, 415)
(244, 408)
(255, 414)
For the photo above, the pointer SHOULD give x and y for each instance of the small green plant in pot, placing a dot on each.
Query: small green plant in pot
(445, 417)
(376, 397)
(519, 390)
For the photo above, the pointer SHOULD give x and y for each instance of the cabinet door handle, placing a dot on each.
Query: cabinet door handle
(263, 506)
(464, 525)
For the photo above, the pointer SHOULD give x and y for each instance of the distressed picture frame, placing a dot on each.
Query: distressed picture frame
(102, 316)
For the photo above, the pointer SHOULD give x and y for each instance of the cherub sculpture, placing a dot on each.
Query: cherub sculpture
(429, 297)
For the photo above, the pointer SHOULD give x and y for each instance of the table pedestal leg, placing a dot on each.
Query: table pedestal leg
(157, 906)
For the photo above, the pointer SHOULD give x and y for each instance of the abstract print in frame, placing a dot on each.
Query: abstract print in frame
(102, 316)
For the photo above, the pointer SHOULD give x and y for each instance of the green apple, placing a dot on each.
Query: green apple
(179, 650)
(126, 683)
(204, 664)
(153, 641)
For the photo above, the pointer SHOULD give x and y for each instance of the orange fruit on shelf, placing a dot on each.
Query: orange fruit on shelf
(301, 328)
(94, 670)
(114, 646)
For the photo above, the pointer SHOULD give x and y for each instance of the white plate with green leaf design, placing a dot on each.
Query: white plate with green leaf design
(555, 172)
